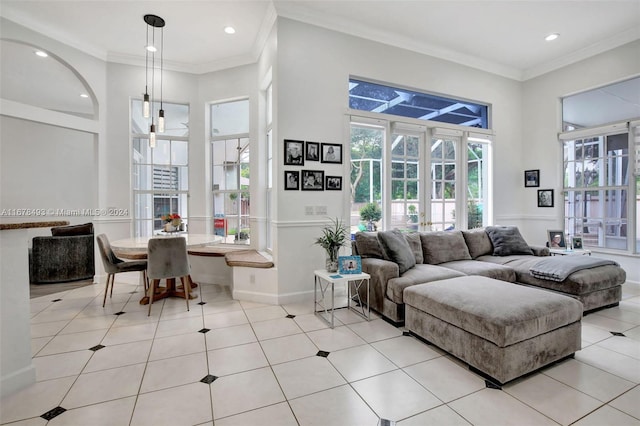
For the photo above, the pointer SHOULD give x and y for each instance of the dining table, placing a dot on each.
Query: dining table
(136, 248)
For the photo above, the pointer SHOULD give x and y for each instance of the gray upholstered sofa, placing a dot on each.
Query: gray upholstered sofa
(67, 255)
(495, 252)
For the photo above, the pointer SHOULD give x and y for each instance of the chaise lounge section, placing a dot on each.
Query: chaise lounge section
(397, 261)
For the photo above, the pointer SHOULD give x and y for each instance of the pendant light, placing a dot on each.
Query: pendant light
(153, 22)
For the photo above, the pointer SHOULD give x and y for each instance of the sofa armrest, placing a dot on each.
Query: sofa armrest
(58, 259)
(540, 250)
(381, 272)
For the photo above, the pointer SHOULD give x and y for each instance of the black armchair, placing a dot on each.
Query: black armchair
(67, 255)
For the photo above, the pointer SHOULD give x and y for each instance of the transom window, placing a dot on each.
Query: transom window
(375, 97)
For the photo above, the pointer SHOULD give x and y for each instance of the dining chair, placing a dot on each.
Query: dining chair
(114, 265)
(168, 259)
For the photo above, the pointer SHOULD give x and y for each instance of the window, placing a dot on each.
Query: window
(367, 143)
(230, 170)
(597, 188)
(601, 154)
(418, 185)
(160, 175)
(379, 98)
(269, 177)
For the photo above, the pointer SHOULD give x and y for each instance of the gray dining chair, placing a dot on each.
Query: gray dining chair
(167, 259)
(114, 265)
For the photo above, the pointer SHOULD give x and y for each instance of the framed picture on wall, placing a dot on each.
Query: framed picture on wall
(331, 153)
(545, 197)
(291, 180)
(313, 151)
(531, 178)
(333, 183)
(293, 153)
(312, 180)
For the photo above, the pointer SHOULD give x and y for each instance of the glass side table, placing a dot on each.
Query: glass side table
(566, 252)
(325, 300)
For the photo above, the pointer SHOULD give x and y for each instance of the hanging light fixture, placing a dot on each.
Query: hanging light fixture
(153, 22)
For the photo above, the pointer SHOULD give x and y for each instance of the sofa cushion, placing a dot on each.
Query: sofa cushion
(478, 242)
(420, 274)
(397, 249)
(443, 246)
(484, 269)
(368, 245)
(415, 243)
(507, 240)
(66, 231)
(470, 303)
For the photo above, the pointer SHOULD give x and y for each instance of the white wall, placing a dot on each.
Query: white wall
(314, 66)
(540, 148)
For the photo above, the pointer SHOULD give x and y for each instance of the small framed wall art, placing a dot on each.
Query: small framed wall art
(291, 180)
(293, 153)
(333, 183)
(313, 151)
(349, 265)
(576, 243)
(331, 153)
(545, 197)
(312, 180)
(531, 178)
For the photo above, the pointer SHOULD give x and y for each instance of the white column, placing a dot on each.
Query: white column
(16, 368)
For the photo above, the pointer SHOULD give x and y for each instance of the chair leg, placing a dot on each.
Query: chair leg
(152, 289)
(186, 284)
(106, 289)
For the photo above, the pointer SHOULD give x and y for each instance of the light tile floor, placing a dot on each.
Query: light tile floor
(237, 363)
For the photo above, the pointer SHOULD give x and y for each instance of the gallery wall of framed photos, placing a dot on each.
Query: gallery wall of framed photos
(303, 154)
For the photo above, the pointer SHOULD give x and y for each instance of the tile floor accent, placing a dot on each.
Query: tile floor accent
(241, 363)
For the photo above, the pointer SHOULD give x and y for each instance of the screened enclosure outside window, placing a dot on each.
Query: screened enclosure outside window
(160, 175)
(379, 98)
(230, 171)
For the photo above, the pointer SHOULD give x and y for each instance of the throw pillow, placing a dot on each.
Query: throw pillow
(66, 231)
(416, 246)
(507, 240)
(478, 242)
(444, 246)
(368, 245)
(397, 249)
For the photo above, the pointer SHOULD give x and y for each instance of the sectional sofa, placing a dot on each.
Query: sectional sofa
(397, 260)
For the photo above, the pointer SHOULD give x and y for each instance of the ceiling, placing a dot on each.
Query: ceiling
(504, 37)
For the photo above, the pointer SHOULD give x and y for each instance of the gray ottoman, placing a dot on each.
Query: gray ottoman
(503, 330)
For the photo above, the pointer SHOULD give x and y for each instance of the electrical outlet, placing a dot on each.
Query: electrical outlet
(321, 210)
(308, 210)
(252, 279)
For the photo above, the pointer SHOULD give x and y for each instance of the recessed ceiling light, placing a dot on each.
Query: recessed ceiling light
(552, 37)
(84, 95)
(41, 53)
(229, 30)
(151, 48)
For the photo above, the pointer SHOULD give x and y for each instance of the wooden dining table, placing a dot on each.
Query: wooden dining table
(136, 248)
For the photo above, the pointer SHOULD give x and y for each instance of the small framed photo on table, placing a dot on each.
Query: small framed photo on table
(556, 239)
(576, 243)
(349, 265)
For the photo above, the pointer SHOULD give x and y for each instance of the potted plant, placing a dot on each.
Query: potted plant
(334, 236)
(371, 213)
